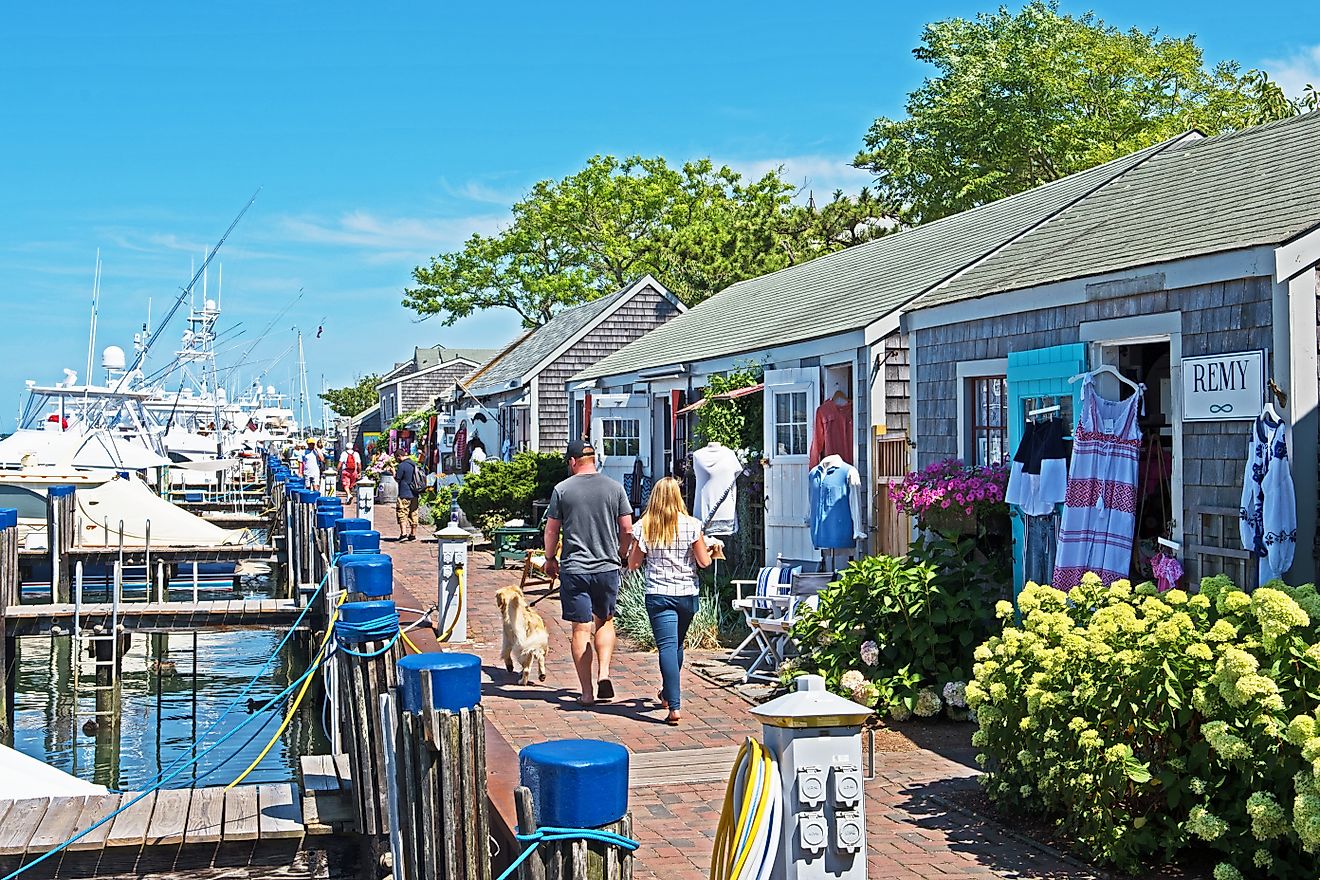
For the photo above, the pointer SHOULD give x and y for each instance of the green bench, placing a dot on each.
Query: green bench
(513, 542)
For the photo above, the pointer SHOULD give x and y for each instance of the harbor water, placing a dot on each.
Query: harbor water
(173, 687)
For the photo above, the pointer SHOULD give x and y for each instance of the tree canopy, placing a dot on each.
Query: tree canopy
(697, 228)
(352, 399)
(1022, 99)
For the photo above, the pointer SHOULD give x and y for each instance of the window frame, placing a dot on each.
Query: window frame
(609, 441)
(792, 393)
(968, 373)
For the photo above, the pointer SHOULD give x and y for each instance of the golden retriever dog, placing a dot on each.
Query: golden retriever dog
(525, 638)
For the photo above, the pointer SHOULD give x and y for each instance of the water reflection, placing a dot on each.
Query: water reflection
(173, 687)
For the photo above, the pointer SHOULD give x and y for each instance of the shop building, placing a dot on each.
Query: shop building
(413, 384)
(517, 398)
(824, 331)
(1192, 271)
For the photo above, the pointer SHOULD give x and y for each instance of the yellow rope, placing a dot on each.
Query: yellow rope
(307, 683)
(458, 571)
(409, 642)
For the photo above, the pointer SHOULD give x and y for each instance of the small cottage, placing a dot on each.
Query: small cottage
(517, 399)
(415, 383)
(1189, 276)
(825, 332)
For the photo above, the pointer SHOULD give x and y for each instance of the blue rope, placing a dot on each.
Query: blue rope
(251, 684)
(374, 629)
(551, 834)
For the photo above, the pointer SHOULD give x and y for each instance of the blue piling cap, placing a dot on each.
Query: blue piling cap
(455, 680)
(371, 574)
(59, 491)
(362, 612)
(329, 502)
(576, 783)
(292, 483)
(307, 496)
(364, 541)
(326, 519)
(352, 524)
(8, 517)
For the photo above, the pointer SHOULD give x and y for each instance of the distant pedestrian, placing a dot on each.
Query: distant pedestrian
(410, 483)
(350, 471)
(312, 461)
(592, 514)
(669, 547)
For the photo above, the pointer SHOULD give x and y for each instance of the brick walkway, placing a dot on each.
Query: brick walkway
(910, 833)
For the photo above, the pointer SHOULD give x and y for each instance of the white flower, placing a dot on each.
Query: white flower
(851, 681)
(955, 694)
(870, 652)
(928, 703)
(898, 711)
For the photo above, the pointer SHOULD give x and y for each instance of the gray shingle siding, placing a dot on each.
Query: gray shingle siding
(1213, 453)
(642, 313)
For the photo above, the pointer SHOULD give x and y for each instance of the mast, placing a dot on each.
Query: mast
(304, 405)
(91, 334)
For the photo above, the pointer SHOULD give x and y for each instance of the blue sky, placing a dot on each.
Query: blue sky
(381, 136)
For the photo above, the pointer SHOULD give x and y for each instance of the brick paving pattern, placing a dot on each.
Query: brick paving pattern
(910, 833)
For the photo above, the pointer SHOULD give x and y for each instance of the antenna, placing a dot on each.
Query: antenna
(96, 299)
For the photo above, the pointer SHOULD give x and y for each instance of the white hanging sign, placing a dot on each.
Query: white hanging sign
(1223, 387)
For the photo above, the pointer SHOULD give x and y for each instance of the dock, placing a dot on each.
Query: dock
(145, 617)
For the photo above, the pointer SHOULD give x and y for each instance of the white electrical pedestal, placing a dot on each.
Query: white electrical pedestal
(816, 738)
(452, 596)
(366, 497)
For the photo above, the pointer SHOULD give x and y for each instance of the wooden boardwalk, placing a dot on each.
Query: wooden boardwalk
(28, 620)
(327, 788)
(169, 817)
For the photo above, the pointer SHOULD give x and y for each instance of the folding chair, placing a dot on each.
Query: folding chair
(765, 611)
(534, 573)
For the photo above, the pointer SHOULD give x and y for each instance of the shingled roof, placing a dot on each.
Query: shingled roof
(1258, 186)
(511, 367)
(849, 289)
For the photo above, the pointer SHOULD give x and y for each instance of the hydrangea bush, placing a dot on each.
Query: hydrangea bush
(891, 632)
(1149, 724)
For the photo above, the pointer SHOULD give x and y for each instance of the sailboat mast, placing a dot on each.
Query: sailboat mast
(91, 333)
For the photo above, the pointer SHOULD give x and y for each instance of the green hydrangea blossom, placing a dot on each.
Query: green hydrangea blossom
(1268, 819)
(1277, 613)
(1204, 824)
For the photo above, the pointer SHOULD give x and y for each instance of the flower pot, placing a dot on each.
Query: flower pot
(387, 490)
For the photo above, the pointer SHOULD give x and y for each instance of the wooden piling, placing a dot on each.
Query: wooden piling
(443, 812)
(572, 859)
(360, 682)
(60, 535)
(8, 596)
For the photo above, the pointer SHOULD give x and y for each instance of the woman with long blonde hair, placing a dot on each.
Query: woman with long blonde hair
(669, 547)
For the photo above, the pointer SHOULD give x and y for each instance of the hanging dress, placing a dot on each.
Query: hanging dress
(1269, 502)
(1100, 509)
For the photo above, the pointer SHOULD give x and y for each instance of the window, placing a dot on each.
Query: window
(790, 423)
(988, 422)
(621, 437)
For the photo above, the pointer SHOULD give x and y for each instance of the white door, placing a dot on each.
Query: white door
(621, 434)
(791, 398)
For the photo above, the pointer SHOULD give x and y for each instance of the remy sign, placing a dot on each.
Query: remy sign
(1223, 387)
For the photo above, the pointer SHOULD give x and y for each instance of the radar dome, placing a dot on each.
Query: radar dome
(270, 389)
(112, 358)
(210, 305)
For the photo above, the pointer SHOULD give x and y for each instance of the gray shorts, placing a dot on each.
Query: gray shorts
(585, 595)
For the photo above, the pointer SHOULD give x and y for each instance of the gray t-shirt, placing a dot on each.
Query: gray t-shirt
(588, 507)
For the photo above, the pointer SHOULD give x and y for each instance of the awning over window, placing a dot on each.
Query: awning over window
(727, 395)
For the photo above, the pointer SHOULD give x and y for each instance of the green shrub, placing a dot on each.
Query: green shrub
(892, 631)
(713, 625)
(505, 490)
(1147, 724)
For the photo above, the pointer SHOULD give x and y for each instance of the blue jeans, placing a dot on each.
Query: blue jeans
(670, 618)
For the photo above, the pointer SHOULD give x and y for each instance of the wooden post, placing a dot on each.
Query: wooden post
(59, 539)
(8, 595)
(442, 788)
(572, 859)
(360, 683)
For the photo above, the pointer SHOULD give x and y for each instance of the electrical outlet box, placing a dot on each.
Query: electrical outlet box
(810, 786)
(845, 785)
(849, 831)
(813, 832)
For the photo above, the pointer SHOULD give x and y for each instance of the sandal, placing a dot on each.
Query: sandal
(672, 721)
(604, 690)
(660, 698)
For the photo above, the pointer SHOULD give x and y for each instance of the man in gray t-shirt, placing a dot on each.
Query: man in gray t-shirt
(592, 514)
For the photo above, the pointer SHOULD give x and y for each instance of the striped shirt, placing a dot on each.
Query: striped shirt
(671, 570)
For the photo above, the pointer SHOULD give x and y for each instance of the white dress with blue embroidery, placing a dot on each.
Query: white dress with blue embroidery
(1268, 515)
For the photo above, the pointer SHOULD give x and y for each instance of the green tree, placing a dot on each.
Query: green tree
(698, 228)
(1022, 99)
(352, 399)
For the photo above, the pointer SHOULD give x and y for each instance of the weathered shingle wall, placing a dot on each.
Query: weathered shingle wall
(1216, 318)
(420, 391)
(639, 315)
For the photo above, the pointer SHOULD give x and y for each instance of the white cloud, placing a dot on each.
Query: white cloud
(814, 174)
(389, 236)
(483, 193)
(1295, 72)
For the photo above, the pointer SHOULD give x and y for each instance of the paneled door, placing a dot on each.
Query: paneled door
(791, 398)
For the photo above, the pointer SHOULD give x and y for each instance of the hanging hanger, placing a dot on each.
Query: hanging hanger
(1113, 371)
(839, 397)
